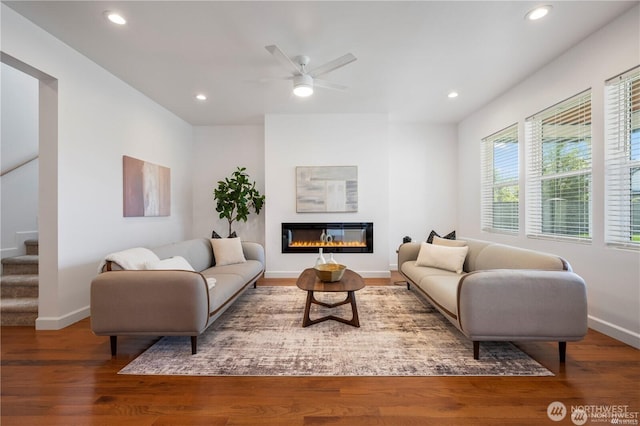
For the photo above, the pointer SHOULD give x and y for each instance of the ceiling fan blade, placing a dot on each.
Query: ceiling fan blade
(267, 79)
(328, 85)
(284, 59)
(335, 64)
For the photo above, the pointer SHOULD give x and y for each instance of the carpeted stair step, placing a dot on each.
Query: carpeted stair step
(20, 265)
(16, 286)
(18, 312)
(32, 247)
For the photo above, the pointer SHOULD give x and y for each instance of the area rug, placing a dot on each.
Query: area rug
(261, 334)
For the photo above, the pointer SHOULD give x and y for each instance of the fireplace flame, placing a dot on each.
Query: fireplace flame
(327, 244)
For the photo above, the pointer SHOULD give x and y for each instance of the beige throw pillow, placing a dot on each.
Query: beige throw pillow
(442, 257)
(227, 251)
(449, 243)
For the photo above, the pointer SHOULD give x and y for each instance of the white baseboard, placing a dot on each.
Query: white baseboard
(58, 323)
(626, 336)
(296, 274)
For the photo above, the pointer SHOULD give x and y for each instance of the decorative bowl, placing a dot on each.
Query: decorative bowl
(330, 272)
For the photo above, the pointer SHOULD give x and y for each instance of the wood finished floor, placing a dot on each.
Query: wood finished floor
(67, 377)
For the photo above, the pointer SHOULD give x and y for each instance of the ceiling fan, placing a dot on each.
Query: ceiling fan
(303, 79)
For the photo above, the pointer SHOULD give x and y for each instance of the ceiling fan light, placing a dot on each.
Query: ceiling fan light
(303, 90)
(303, 85)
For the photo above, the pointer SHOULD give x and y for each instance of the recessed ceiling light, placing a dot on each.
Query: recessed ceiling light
(201, 97)
(452, 95)
(114, 17)
(538, 13)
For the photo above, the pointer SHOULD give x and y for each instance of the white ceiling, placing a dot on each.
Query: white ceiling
(410, 54)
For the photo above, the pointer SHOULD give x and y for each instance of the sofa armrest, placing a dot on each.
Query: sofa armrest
(149, 302)
(253, 251)
(525, 304)
(407, 252)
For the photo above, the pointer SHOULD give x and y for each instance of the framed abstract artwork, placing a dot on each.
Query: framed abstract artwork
(147, 188)
(326, 189)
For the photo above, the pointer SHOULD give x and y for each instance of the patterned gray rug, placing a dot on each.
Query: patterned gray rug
(399, 335)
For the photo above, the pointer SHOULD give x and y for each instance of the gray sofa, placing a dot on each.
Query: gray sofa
(503, 293)
(171, 302)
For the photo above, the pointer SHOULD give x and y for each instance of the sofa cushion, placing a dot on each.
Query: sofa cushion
(447, 242)
(226, 286)
(417, 273)
(442, 257)
(227, 251)
(498, 256)
(450, 236)
(443, 290)
(247, 270)
(214, 234)
(196, 251)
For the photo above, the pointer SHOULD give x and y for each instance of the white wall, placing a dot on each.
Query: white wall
(218, 151)
(422, 182)
(612, 275)
(19, 143)
(99, 119)
(327, 140)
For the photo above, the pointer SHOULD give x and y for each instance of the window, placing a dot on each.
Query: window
(559, 170)
(500, 181)
(622, 159)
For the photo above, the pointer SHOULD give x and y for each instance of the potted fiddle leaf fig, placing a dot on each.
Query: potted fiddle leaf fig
(236, 196)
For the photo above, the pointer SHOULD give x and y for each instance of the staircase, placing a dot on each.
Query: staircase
(19, 288)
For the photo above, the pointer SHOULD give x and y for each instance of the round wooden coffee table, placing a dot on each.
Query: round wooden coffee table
(350, 283)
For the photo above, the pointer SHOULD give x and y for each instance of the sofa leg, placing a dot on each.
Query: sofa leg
(562, 349)
(194, 345)
(114, 344)
(408, 285)
(476, 350)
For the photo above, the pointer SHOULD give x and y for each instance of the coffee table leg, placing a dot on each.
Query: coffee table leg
(306, 321)
(351, 298)
(355, 321)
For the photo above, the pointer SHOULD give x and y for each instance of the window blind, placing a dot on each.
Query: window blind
(558, 191)
(500, 181)
(622, 159)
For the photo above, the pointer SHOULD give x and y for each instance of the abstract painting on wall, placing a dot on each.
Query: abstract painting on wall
(326, 189)
(147, 188)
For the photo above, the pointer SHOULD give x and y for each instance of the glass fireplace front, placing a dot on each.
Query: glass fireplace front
(339, 237)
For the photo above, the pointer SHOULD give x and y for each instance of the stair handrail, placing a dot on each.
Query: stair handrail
(24, 163)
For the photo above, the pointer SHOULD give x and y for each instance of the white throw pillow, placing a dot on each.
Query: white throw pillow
(173, 263)
(227, 251)
(442, 257)
(449, 243)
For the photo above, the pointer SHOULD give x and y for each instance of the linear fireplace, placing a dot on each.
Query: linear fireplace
(342, 237)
